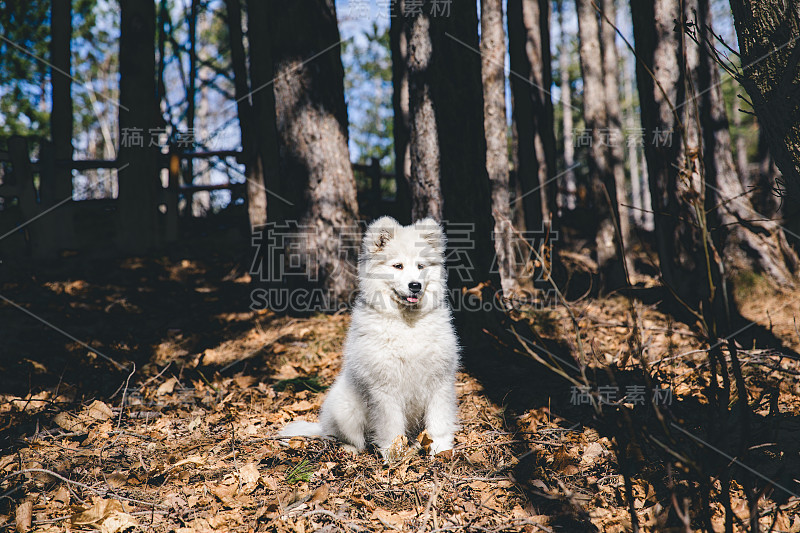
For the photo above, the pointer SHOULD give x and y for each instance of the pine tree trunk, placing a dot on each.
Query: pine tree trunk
(740, 144)
(648, 218)
(765, 200)
(59, 188)
(424, 150)
(638, 206)
(196, 206)
(138, 176)
(704, 180)
(570, 185)
(264, 136)
(529, 52)
(316, 176)
(767, 31)
(256, 191)
(615, 151)
(398, 42)
(748, 242)
(448, 153)
(517, 203)
(494, 122)
(602, 168)
(675, 187)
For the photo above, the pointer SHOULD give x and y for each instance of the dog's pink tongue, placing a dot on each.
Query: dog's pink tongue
(412, 299)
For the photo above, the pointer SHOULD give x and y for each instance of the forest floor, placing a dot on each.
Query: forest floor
(186, 440)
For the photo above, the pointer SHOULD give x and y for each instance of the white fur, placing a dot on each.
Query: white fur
(400, 357)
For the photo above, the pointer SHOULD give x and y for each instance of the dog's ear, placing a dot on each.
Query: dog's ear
(432, 233)
(378, 234)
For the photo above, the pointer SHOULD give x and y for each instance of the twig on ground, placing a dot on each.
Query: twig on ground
(430, 504)
(84, 486)
(332, 516)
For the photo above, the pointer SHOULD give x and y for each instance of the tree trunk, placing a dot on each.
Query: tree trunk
(138, 176)
(57, 187)
(315, 171)
(615, 151)
(529, 52)
(256, 191)
(602, 167)
(424, 150)
(398, 42)
(494, 122)
(648, 218)
(162, 24)
(740, 144)
(570, 185)
(517, 209)
(765, 200)
(704, 180)
(191, 102)
(676, 189)
(264, 156)
(767, 31)
(748, 242)
(448, 154)
(638, 206)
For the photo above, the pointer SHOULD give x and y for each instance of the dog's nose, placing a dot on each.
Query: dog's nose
(415, 286)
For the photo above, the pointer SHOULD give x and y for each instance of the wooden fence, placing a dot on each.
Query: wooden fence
(46, 234)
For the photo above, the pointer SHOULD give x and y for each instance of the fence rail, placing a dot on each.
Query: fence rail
(34, 203)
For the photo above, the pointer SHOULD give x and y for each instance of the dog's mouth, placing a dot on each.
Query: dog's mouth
(409, 299)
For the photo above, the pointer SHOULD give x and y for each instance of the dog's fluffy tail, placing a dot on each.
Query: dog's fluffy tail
(301, 428)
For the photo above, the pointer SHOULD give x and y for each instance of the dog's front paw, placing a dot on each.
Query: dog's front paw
(441, 444)
(349, 448)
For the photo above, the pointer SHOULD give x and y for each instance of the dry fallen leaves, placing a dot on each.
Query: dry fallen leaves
(201, 452)
(106, 514)
(24, 516)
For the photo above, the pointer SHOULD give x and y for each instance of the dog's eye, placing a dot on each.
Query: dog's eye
(420, 266)
(398, 266)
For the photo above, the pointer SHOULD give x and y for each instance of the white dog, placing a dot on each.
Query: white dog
(401, 352)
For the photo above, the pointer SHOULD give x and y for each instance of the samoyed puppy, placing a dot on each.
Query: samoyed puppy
(401, 352)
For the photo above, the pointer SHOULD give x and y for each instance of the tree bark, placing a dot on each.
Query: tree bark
(398, 42)
(638, 165)
(602, 162)
(517, 208)
(494, 122)
(449, 180)
(570, 185)
(56, 188)
(691, 243)
(196, 206)
(529, 52)
(615, 149)
(767, 32)
(638, 206)
(138, 177)
(262, 104)
(740, 144)
(748, 241)
(424, 150)
(316, 176)
(256, 191)
(765, 200)
(674, 177)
